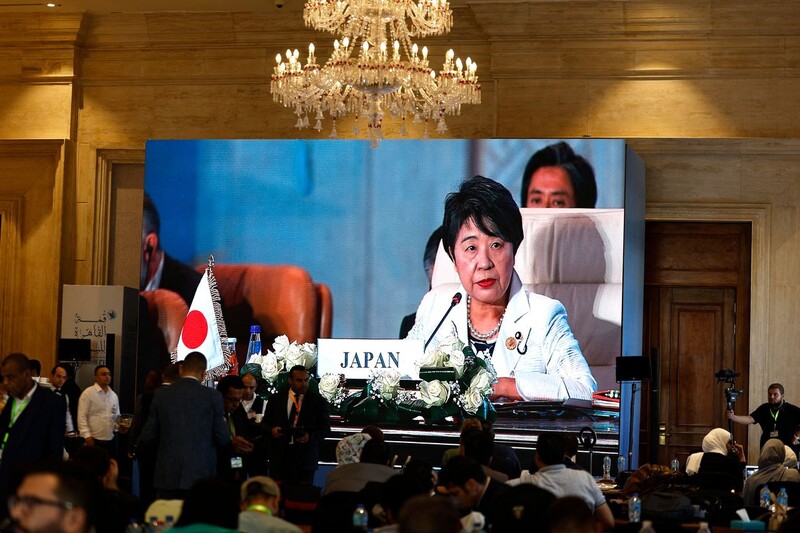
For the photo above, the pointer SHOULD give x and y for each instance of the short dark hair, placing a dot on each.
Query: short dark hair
(374, 432)
(489, 205)
(550, 448)
(195, 362)
(297, 368)
(397, 490)
(776, 386)
(92, 459)
(230, 382)
(35, 366)
(570, 513)
(19, 359)
(98, 368)
(579, 170)
(171, 373)
(64, 367)
(478, 444)
(459, 470)
(521, 506)
(431, 247)
(376, 452)
(151, 222)
(75, 485)
(211, 501)
(430, 514)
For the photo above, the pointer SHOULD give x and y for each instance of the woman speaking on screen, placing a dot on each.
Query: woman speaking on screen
(524, 335)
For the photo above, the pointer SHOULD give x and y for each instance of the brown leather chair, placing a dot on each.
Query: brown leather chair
(282, 299)
(168, 310)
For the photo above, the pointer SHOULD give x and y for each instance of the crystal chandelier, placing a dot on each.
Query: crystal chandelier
(375, 67)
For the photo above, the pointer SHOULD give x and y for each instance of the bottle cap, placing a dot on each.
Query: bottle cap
(255, 328)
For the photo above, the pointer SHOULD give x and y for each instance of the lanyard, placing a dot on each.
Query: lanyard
(775, 417)
(231, 427)
(260, 508)
(297, 406)
(16, 409)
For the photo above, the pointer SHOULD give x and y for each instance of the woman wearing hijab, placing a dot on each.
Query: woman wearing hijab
(771, 467)
(721, 456)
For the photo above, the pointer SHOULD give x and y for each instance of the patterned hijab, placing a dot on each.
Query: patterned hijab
(348, 450)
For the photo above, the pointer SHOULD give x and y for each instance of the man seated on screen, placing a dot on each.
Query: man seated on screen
(158, 270)
(525, 336)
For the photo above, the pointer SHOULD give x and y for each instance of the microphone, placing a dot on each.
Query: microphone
(454, 302)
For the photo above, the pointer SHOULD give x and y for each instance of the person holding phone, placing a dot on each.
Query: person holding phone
(296, 421)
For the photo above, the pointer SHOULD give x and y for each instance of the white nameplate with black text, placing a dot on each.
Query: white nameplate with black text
(358, 358)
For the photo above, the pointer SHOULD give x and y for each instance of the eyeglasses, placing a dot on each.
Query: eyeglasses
(32, 501)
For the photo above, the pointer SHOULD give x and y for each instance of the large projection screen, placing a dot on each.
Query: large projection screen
(358, 218)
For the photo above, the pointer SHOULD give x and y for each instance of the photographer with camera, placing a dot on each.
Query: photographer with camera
(778, 418)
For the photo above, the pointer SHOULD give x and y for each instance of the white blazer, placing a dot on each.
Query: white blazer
(547, 362)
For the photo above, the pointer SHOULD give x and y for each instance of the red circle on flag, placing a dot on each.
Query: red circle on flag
(195, 329)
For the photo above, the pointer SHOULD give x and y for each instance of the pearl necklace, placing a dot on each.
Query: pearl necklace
(477, 334)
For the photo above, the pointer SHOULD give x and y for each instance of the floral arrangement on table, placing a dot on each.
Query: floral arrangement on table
(455, 384)
(272, 368)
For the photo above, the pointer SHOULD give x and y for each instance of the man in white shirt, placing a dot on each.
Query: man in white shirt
(555, 477)
(98, 410)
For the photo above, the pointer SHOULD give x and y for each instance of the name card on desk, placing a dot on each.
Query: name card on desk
(357, 358)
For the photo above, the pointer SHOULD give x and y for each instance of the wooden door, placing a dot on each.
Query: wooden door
(696, 316)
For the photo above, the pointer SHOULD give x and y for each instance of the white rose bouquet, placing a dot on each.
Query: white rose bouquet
(331, 387)
(270, 368)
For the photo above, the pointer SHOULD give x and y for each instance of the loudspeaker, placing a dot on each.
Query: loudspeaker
(633, 368)
(74, 350)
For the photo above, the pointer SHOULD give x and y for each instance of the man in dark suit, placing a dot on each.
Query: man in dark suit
(297, 421)
(464, 478)
(255, 407)
(233, 461)
(158, 269)
(187, 424)
(32, 423)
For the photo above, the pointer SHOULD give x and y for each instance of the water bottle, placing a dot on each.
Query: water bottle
(254, 345)
(133, 527)
(154, 526)
(360, 518)
(782, 498)
(763, 497)
(606, 467)
(703, 528)
(621, 463)
(647, 527)
(635, 508)
(675, 464)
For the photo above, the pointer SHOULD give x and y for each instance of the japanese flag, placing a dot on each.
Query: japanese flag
(204, 330)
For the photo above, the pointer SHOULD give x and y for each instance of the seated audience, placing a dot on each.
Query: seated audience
(522, 506)
(465, 479)
(260, 499)
(571, 515)
(504, 458)
(571, 451)
(479, 445)
(723, 462)
(72, 497)
(397, 490)
(422, 472)
(430, 514)
(373, 466)
(211, 506)
(117, 507)
(771, 467)
(348, 449)
(555, 477)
